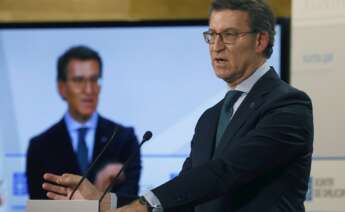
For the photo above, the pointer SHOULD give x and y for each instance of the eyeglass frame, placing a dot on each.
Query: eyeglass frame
(235, 35)
(80, 82)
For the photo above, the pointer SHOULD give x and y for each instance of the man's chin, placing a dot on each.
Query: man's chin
(88, 114)
(225, 77)
(85, 115)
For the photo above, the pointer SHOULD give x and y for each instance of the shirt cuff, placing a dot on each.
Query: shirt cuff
(152, 199)
(113, 201)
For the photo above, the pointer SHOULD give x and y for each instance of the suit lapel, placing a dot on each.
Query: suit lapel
(65, 146)
(251, 103)
(205, 147)
(100, 139)
(102, 135)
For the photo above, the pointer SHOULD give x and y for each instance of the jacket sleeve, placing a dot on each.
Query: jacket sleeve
(34, 171)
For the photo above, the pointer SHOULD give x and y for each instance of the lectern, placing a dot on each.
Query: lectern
(62, 206)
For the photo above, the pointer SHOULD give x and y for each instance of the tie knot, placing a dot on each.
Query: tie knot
(230, 98)
(82, 132)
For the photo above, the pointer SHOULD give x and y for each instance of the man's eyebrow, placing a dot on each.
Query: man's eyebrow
(83, 76)
(226, 30)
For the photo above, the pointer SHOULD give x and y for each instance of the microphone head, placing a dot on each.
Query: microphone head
(147, 135)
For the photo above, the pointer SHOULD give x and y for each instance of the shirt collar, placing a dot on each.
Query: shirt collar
(247, 84)
(73, 125)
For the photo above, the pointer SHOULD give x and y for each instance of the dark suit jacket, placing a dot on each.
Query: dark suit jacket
(52, 152)
(262, 163)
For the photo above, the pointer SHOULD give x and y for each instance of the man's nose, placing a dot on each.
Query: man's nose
(218, 44)
(89, 87)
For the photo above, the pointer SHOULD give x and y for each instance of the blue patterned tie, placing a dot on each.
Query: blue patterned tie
(82, 152)
(225, 114)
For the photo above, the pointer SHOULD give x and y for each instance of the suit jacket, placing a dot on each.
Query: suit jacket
(52, 152)
(262, 163)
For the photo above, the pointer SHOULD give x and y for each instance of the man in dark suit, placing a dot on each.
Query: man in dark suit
(252, 150)
(70, 145)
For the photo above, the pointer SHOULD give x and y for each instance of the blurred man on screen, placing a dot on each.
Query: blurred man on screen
(252, 150)
(73, 143)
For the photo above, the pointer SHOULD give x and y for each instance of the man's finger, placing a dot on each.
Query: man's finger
(55, 196)
(51, 177)
(69, 180)
(54, 188)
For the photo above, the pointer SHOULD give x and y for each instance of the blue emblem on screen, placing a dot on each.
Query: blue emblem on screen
(19, 184)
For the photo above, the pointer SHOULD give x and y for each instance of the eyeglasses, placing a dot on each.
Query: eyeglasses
(80, 82)
(226, 36)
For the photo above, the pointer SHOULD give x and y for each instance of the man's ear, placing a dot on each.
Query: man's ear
(62, 89)
(262, 40)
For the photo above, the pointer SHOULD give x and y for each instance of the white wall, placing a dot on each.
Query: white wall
(318, 60)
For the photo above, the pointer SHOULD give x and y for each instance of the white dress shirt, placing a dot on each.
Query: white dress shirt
(73, 126)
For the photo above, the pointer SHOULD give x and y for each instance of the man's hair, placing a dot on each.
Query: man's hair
(260, 16)
(79, 53)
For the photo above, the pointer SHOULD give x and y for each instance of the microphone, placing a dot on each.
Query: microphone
(95, 161)
(147, 136)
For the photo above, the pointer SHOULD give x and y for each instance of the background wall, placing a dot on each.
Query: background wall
(107, 10)
(318, 60)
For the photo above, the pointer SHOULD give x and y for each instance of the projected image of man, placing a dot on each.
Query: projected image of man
(70, 145)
